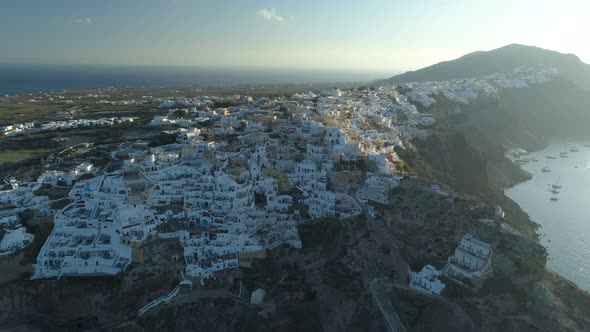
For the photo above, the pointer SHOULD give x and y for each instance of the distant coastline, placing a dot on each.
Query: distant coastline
(21, 78)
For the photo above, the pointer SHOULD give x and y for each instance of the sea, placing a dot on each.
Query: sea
(565, 222)
(19, 79)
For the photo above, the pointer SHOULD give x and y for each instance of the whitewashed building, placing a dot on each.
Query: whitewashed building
(427, 280)
(472, 260)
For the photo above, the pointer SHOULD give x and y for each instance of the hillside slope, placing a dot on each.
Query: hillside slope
(503, 59)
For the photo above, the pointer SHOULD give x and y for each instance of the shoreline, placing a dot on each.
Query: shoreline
(544, 229)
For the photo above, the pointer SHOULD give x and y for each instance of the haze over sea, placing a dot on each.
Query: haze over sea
(16, 79)
(565, 223)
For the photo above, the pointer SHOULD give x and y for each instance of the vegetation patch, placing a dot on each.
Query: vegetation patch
(282, 179)
(19, 155)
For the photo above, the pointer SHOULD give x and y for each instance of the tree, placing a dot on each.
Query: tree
(180, 113)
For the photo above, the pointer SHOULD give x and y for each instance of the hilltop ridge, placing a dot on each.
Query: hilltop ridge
(506, 58)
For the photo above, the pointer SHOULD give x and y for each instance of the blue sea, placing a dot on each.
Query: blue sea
(565, 223)
(18, 79)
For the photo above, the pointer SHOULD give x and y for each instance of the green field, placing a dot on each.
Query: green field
(14, 156)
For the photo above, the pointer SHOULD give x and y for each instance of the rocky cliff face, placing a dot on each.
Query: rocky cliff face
(89, 303)
(456, 161)
(522, 294)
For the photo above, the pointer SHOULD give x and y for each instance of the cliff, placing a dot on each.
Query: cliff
(92, 302)
(521, 295)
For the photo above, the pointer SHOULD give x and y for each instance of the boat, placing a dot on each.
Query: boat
(555, 186)
(545, 169)
(587, 145)
(553, 198)
(555, 191)
(550, 157)
(563, 154)
(574, 149)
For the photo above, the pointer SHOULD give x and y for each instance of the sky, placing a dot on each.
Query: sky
(376, 35)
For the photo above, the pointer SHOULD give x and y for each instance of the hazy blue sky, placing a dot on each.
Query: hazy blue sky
(338, 34)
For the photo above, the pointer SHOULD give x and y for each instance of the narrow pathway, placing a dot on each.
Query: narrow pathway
(386, 307)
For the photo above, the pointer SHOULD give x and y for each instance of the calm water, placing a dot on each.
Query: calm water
(565, 224)
(15, 79)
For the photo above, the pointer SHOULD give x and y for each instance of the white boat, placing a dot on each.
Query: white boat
(554, 191)
(550, 157)
(545, 169)
(555, 186)
(574, 149)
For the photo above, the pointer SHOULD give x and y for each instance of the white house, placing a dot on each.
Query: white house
(188, 136)
(8, 219)
(14, 240)
(84, 168)
(427, 280)
(306, 168)
(53, 177)
(335, 136)
(472, 260)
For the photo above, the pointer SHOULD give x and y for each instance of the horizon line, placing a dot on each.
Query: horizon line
(229, 67)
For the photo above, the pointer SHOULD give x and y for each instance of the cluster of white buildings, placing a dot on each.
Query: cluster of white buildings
(468, 90)
(30, 127)
(131, 102)
(17, 128)
(56, 178)
(239, 179)
(471, 261)
(14, 240)
(86, 240)
(173, 191)
(15, 198)
(266, 167)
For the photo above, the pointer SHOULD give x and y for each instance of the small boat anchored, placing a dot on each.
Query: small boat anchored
(550, 157)
(554, 198)
(574, 149)
(545, 169)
